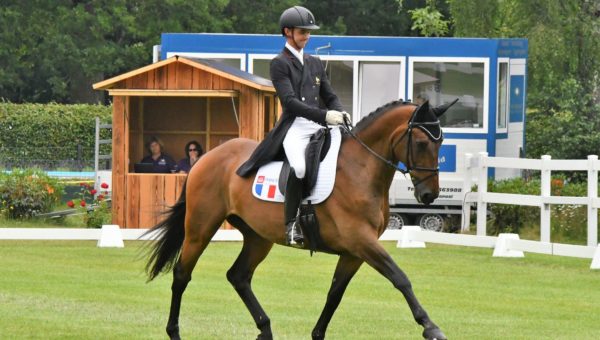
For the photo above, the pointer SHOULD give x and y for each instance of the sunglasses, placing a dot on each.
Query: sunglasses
(192, 150)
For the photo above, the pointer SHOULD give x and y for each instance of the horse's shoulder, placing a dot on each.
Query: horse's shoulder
(242, 141)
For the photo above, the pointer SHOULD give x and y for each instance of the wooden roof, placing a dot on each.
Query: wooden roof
(213, 67)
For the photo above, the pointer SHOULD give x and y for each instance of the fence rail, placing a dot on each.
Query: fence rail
(545, 165)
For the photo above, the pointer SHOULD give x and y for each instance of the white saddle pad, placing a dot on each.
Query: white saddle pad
(266, 187)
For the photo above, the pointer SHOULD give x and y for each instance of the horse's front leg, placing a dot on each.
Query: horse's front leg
(374, 254)
(346, 267)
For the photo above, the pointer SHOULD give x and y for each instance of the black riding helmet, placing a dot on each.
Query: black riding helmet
(297, 17)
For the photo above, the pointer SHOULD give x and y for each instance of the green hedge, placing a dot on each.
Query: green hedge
(49, 136)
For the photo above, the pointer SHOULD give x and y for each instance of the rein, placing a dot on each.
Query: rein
(411, 125)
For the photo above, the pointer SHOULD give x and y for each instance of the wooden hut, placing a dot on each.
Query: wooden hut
(177, 100)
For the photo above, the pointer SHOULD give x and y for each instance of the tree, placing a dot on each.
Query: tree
(54, 50)
(563, 67)
(428, 20)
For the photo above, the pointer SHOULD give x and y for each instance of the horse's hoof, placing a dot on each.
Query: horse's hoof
(265, 336)
(434, 334)
(173, 332)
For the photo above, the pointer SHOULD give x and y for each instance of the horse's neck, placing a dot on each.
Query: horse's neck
(379, 140)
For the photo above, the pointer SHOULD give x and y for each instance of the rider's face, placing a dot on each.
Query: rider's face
(297, 37)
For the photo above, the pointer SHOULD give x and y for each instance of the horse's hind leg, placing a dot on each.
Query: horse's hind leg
(374, 254)
(346, 267)
(254, 251)
(197, 237)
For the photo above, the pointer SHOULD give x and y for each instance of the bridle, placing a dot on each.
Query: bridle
(409, 154)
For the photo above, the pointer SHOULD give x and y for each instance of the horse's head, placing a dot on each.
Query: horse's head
(418, 145)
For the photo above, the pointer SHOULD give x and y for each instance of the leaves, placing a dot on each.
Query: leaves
(26, 193)
(429, 21)
(50, 135)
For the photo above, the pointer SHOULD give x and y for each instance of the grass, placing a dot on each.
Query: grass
(71, 221)
(73, 290)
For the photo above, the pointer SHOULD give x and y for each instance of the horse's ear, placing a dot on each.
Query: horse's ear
(422, 109)
(439, 110)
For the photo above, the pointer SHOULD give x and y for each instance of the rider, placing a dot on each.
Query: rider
(300, 80)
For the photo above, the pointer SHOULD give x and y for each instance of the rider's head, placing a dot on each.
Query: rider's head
(296, 23)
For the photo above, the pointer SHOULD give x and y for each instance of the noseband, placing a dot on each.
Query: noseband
(409, 155)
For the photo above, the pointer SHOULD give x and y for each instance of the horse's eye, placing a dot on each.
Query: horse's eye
(422, 144)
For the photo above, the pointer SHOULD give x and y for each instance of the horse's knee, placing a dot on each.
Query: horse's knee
(180, 278)
(238, 280)
(402, 283)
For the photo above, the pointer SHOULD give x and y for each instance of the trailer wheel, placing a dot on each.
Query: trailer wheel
(432, 222)
(397, 221)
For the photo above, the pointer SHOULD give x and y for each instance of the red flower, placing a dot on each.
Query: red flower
(104, 186)
(82, 203)
(81, 184)
(100, 197)
(70, 204)
(93, 191)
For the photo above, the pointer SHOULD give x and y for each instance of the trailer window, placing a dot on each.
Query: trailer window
(442, 82)
(339, 73)
(379, 84)
(260, 67)
(502, 94)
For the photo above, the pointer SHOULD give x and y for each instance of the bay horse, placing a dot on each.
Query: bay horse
(351, 219)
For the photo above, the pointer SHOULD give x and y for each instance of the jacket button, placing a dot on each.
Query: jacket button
(303, 99)
(315, 98)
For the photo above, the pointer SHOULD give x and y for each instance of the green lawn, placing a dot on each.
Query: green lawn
(73, 290)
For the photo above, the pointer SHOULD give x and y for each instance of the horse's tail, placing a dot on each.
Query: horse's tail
(170, 235)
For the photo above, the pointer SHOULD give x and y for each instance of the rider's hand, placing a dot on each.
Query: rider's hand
(334, 117)
(347, 117)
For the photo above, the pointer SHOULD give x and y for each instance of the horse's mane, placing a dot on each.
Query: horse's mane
(367, 120)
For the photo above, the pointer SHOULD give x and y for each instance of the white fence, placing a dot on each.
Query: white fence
(545, 165)
(482, 197)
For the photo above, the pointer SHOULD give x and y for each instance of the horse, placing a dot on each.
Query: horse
(351, 219)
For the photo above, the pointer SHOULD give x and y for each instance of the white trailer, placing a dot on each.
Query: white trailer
(405, 210)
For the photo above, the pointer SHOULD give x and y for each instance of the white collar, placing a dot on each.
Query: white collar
(298, 55)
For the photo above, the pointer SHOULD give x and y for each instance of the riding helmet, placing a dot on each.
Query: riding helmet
(297, 17)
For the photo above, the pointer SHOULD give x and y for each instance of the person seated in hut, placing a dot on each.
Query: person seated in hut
(162, 163)
(193, 152)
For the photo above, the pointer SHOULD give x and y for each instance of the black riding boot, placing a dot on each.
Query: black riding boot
(293, 198)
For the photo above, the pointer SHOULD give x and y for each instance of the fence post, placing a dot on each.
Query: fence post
(467, 184)
(79, 157)
(546, 175)
(481, 191)
(592, 211)
(97, 145)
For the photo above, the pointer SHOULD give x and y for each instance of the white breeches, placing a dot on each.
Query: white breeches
(295, 143)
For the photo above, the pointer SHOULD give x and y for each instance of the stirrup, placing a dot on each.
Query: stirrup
(293, 235)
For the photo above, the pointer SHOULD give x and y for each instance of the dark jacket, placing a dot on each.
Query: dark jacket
(299, 89)
(163, 164)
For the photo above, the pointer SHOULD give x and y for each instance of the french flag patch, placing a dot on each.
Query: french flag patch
(259, 185)
(266, 188)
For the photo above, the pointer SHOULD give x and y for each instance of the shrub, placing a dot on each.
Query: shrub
(26, 193)
(49, 136)
(568, 222)
(93, 204)
(511, 218)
